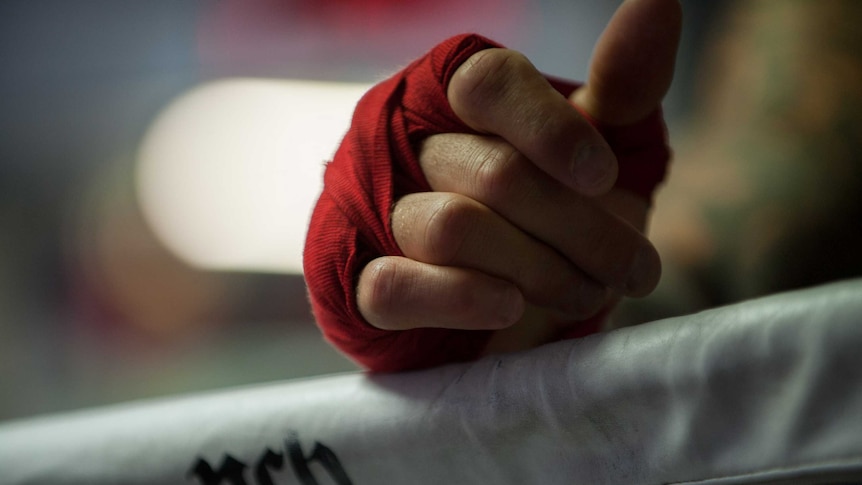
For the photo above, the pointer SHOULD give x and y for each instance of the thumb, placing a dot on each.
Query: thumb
(633, 62)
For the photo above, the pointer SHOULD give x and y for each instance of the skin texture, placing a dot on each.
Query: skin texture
(523, 229)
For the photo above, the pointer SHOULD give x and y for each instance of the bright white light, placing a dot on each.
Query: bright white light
(229, 172)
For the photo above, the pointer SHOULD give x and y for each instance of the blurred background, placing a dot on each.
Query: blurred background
(158, 160)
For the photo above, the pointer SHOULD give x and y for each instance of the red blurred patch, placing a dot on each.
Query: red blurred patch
(238, 34)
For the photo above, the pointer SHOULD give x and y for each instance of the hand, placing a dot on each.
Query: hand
(526, 214)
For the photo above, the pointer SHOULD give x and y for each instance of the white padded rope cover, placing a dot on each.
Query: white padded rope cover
(766, 391)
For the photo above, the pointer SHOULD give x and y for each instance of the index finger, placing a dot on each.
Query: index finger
(498, 91)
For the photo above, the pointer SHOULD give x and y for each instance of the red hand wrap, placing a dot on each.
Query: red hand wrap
(375, 165)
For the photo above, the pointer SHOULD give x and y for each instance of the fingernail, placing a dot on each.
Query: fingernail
(643, 267)
(592, 167)
(510, 306)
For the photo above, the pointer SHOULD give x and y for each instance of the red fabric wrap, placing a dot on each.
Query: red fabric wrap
(375, 165)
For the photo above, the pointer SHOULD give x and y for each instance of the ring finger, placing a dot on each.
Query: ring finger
(448, 229)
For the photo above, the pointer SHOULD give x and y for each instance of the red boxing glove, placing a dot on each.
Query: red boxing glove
(375, 165)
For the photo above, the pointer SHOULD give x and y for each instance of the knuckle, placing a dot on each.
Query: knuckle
(485, 76)
(446, 229)
(497, 172)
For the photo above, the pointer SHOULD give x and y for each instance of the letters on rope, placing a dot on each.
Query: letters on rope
(232, 471)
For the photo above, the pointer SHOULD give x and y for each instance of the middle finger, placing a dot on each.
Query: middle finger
(491, 171)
